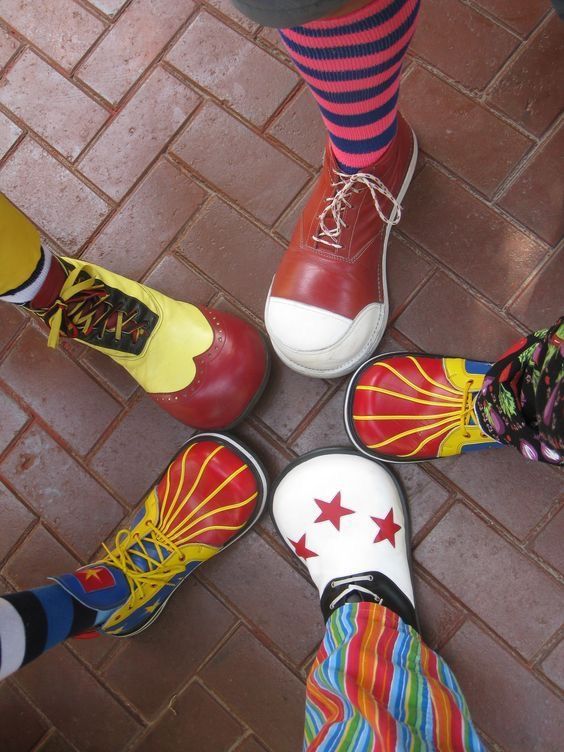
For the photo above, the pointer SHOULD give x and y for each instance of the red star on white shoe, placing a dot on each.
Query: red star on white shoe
(301, 550)
(332, 511)
(352, 493)
(388, 528)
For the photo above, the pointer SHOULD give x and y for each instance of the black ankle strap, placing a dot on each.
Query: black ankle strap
(368, 587)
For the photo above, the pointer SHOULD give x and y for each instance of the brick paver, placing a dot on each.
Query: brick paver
(173, 142)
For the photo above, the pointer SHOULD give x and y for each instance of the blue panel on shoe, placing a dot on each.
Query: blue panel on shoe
(466, 448)
(477, 366)
(96, 586)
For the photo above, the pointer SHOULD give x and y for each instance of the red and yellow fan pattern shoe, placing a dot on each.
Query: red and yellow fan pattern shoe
(407, 407)
(210, 495)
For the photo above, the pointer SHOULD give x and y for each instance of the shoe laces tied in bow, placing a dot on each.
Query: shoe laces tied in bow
(336, 205)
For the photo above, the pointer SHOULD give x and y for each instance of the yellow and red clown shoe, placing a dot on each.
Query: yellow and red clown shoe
(205, 367)
(408, 407)
(211, 494)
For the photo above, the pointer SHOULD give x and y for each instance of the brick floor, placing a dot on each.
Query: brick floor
(171, 140)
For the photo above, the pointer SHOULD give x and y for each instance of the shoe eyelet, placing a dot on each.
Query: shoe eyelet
(153, 586)
(182, 558)
(370, 578)
(333, 585)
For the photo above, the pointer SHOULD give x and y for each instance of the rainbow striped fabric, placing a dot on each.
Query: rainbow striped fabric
(375, 685)
(352, 65)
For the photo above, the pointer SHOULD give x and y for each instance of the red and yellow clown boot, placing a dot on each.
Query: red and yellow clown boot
(407, 407)
(206, 367)
(210, 495)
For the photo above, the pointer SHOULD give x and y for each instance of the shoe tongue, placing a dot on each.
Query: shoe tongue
(98, 586)
(357, 597)
(383, 590)
(147, 549)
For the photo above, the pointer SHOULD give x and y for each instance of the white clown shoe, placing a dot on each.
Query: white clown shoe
(345, 517)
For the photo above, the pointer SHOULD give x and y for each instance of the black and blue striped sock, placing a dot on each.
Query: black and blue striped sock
(33, 621)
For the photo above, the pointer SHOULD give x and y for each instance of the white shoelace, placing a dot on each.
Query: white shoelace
(337, 203)
(353, 587)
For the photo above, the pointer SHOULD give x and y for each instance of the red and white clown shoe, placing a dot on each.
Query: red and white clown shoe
(327, 307)
(345, 517)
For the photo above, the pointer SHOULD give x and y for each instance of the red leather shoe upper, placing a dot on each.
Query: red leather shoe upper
(229, 376)
(207, 494)
(408, 407)
(344, 280)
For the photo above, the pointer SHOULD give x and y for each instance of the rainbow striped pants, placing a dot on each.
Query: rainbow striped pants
(375, 685)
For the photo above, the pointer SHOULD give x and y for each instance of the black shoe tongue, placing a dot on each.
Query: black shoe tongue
(383, 590)
(356, 597)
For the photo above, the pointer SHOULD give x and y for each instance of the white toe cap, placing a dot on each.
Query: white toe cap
(317, 342)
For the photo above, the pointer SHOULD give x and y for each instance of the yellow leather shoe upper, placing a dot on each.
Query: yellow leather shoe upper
(468, 432)
(458, 375)
(179, 332)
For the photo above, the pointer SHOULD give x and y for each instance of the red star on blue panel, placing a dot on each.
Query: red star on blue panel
(301, 549)
(332, 511)
(388, 528)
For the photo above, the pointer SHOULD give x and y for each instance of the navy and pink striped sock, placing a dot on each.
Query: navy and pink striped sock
(33, 621)
(352, 65)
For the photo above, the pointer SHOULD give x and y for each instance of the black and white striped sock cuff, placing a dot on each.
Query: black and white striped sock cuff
(13, 638)
(28, 618)
(29, 289)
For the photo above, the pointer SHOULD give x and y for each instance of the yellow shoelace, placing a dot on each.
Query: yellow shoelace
(86, 312)
(159, 572)
(467, 408)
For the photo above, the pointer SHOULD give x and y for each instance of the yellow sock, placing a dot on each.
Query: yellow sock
(22, 263)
